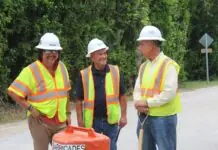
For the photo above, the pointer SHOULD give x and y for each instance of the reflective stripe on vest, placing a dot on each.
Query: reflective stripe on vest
(64, 73)
(48, 95)
(38, 77)
(21, 87)
(142, 69)
(41, 95)
(116, 88)
(86, 76)
(158, 80)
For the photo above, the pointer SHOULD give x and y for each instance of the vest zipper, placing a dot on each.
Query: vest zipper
(57, 96)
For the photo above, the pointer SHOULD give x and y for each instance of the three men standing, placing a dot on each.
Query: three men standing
(100, 93)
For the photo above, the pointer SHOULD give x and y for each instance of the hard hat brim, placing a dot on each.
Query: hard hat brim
(56, 48)
(106, 48)
(150, 39)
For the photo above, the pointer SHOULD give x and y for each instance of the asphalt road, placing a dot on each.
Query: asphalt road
(197, 125)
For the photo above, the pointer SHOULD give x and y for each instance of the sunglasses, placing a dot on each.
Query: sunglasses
(50, 51)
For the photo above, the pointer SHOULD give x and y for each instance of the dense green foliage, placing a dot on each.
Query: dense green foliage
(117, 22)
(203, 20)
(172, 16)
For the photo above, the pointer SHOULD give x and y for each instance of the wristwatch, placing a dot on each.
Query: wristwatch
(29, 107)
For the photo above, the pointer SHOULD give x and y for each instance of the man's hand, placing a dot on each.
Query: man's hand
(35, 113)
(141, 103)
(123, 121)
(141, 106)
(142, 109)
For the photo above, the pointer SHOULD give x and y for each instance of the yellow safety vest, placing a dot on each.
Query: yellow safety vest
(112, 85)
(47, 94)
(152, 84)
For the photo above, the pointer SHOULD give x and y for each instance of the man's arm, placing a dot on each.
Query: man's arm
(140, 105)
(18, 99)
(79, 113)
(137, 90)
(23, 103)
(68, 109)
(19, 94)
(123, 104)
(78, 98)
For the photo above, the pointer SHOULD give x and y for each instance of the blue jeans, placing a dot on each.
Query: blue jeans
(101, 125)
(160, 132)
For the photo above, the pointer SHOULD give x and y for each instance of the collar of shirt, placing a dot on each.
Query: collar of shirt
(155, 60)
(98, 72)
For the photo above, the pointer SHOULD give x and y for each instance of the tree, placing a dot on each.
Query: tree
(172, 17)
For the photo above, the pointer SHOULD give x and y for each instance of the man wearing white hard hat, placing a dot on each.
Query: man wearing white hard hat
(156, 95)
(42, 89)
(100, 94)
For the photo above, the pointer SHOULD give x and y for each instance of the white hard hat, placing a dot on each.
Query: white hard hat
(49, 41)
(150, 33)
(95, 45)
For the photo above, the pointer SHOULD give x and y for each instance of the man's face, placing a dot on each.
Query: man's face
(49, 57)
(99, 57)
(145, 47)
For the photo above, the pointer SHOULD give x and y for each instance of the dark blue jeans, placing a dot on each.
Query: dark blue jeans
(160, 132)
(101, 125)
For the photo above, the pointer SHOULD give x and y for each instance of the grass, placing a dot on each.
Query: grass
(10, 113)
(192, 85)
